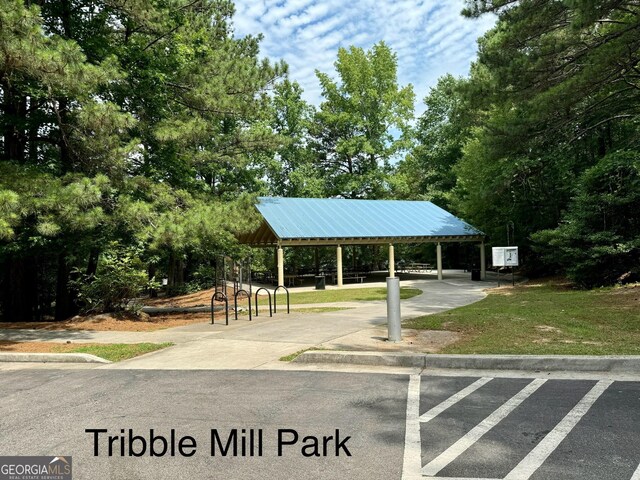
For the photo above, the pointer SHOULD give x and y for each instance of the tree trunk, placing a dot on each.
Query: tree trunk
(92, 263)
(176, 271)
(66, 297)
(14, 109)
(19, 292)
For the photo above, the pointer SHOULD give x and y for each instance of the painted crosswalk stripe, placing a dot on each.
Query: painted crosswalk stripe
(453, 399)
(412, 445)
(636, 474)
(550, 442)
(455, 450)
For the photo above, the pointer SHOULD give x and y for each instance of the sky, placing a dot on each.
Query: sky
(430, 37)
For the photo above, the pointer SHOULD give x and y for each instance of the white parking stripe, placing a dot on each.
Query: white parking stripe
(458, 478)
(412, 446)
(455, 450)
(452, 400)
(636, 474)
(549, 443)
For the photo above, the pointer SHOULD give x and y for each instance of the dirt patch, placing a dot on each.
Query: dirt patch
(417, 341)
(107, 322)
(559, 283)
(548, 328)
(625, 297)
(41, 347)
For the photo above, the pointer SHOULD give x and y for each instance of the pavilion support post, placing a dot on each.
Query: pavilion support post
(483, 263)
(339, 265)
(280, 265)
(392, 261)
(439, 260)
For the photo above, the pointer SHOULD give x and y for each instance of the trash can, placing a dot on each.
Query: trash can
(475, 274)
(320, 282)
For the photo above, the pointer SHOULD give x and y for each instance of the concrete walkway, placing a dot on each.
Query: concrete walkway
(245, 345)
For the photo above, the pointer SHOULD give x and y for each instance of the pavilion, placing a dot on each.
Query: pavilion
(336, 222)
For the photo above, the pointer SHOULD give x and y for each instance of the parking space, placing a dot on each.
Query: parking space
(519, 429)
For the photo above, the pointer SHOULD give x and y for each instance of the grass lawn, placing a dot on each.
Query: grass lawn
(113, 352)
(546, 317)
(345, 295)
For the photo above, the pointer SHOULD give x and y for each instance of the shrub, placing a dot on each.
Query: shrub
(119, 279)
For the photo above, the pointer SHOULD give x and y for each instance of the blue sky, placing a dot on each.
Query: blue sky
(430, 37)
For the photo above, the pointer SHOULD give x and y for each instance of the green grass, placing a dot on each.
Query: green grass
(345, 295)
(116, 352)
(544, 318)
(293, 356)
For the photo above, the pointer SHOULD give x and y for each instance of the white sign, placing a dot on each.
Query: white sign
(504, 256)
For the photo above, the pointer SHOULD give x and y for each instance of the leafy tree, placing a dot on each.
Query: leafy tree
(363, 122)
(554, 90)
(427, 172)
(598, 242)
(292, 172)
(119, 121)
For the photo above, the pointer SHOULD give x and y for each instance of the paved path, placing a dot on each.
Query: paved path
(243, 344)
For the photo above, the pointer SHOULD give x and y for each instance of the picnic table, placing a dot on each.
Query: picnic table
(417, 267)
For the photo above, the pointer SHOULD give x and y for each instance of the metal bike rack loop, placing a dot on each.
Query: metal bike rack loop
(275, 299)
(235, 302)
(220, 296)
(269, 294)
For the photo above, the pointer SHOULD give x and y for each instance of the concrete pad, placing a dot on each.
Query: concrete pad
(216, 354)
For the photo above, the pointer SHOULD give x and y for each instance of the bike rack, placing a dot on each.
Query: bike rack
(220, 296)
(235, 302)
(275, 299)
(268, 293)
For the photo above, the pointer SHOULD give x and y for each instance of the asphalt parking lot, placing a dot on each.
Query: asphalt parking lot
(400, 426)
(519, 428)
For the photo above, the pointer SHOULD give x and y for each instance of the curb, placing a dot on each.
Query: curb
(51, 358)
(570, 363)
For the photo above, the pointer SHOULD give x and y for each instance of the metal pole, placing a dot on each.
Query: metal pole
(392, 261)
(393, 309)
(439, 260)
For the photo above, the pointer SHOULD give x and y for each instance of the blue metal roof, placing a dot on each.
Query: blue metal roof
(337, 218)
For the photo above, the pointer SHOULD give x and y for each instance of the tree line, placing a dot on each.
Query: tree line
(135, 136)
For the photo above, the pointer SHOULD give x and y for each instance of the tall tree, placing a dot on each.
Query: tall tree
(427, 172)
(292, 172)
(554, 90)
(118, 119)
(363, 122)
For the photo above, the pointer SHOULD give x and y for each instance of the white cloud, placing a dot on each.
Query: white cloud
(430, 37)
